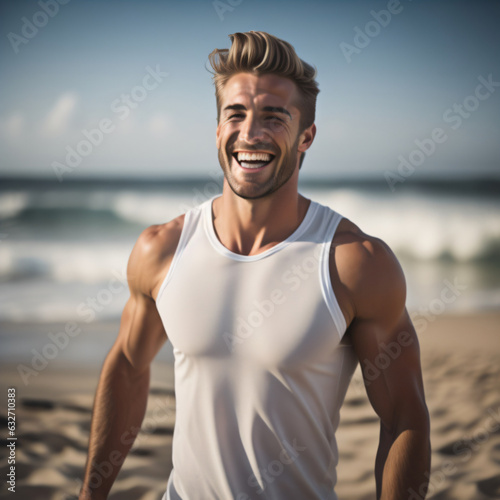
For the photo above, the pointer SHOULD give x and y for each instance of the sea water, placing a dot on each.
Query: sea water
(64, 246)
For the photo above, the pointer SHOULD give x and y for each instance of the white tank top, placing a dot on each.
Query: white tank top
(261, 370)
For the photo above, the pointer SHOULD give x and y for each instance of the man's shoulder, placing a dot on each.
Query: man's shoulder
(159, 240)
(152, 254)
(366, 269)
(361, 249)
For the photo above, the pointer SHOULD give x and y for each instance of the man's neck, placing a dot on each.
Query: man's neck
(249, 227)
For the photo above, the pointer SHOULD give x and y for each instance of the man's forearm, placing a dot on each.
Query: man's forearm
(402, 464)
(119, 408)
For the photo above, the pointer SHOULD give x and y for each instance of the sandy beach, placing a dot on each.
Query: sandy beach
(461, 363)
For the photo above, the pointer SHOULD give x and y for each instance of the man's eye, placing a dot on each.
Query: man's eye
(277, 118)
(237, 115)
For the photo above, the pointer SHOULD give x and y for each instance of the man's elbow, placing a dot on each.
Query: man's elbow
(414, 419)
(120, 362)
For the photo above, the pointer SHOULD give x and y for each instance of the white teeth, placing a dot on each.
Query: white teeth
(253, 165)
(254, 157)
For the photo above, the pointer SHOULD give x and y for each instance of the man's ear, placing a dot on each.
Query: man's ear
(307, 138)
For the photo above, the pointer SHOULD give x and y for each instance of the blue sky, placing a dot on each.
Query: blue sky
(394, 84)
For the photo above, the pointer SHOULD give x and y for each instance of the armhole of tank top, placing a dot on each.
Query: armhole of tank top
(178, 253)
(326, 282)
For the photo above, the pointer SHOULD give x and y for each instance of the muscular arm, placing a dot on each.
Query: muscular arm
(122, 392)
(387, 348)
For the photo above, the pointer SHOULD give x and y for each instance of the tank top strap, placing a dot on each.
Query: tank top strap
(331, 220)
(192, 219)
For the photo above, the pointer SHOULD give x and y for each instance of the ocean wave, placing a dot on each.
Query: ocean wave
(416, 226)
(150, 209)
(423, 227)
(62, 263)
(58, 247)
(131, 207)
(13, 203)
(47, 302)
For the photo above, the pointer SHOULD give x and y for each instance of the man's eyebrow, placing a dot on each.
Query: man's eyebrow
(277, 109)
(269, 109)
(237, 107)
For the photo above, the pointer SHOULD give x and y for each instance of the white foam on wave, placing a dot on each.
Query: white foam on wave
(12, 203)
(68, 262)
(47, 281)
(45, 302)
(144, 209)
(43, 280)
(157, 208)
(422, 227)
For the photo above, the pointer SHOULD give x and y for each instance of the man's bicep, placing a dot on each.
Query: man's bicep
(390, 362)
(141, 332)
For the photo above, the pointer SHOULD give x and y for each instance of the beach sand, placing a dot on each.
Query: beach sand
(461, 363)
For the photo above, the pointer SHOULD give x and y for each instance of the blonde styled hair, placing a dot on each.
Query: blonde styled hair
(260, 53)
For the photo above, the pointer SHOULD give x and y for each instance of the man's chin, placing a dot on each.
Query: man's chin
(254, 191)
(248, 188)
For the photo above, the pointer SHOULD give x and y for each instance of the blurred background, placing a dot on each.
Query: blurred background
(107, 125)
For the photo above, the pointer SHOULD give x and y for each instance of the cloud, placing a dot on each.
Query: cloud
(58, 118)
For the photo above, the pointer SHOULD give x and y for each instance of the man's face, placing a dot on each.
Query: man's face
(258, 133)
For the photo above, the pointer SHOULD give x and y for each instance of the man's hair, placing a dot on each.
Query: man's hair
(260, 53)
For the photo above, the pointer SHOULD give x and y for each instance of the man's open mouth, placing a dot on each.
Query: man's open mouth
(253, 160)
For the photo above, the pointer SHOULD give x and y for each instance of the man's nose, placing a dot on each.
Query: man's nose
(251, 130)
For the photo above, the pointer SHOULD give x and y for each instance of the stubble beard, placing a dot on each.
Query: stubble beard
(256, 190)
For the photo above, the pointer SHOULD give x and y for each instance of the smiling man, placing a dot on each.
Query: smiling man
(270, 300)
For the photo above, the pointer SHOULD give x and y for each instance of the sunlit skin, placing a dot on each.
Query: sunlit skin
(260, 207)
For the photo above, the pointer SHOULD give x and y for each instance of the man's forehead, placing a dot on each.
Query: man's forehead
(265, 89)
